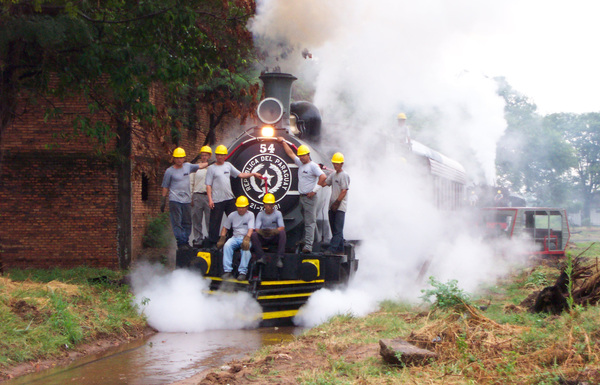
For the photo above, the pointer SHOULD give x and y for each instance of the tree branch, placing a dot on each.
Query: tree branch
(86, 17)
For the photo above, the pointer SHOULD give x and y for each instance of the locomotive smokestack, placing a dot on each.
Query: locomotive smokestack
(279, 86)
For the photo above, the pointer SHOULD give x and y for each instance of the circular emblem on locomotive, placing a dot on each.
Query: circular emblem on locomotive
(277, 176)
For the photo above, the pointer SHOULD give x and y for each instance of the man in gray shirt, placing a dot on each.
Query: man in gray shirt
(310, 180)
(200, 207)
(270, 229)
(218, 189)
(241, 222)
(339, 182)
(176, 185)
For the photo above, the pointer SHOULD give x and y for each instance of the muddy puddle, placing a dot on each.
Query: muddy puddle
(163, 358)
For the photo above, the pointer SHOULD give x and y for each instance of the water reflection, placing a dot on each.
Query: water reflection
(162, 358)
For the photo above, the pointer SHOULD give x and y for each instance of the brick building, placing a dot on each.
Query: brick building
(63, 204)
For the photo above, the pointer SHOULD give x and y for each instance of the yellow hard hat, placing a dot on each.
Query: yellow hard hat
(206, 149)
(241, 201)
(179, 153)
(338, 157)
(221, 150)
(303, 150)
(269, 199)
(402, 115)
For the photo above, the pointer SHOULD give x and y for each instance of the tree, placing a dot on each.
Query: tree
(115, 54)
(582, 131)
(533, 158)
(112, 52)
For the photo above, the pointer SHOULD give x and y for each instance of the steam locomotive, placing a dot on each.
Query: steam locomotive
(279, 291)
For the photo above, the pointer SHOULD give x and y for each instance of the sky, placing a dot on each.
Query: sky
(547, 50)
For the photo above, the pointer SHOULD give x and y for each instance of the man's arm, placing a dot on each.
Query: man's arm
(224, 231)
(336, 204)
(245, 175)
(320, 183)
(287, 148)
(322, 179)
(163, 200)
(211, 204)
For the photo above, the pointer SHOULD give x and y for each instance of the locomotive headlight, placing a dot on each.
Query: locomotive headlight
(267, 131)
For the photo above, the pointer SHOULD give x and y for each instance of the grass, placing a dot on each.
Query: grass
(499, 345)
(44, 313)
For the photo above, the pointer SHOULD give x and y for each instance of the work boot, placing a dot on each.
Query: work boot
(261, 261)
(241, 277)
(227, 275)
(184, 246)
(306, 251)
(279, 262)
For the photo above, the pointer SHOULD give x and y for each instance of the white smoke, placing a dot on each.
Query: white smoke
(178, 301)
(370, 61)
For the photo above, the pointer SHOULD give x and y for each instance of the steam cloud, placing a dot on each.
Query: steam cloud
(177, 301)
(369, 62)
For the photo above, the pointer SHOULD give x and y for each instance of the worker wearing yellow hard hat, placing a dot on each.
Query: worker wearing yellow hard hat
(401, 119)
(499, 198)
(218, 189)
(270, 230)
(200, 206)
(338, 202)
(241, 223)
(176, 186)
(310, 180)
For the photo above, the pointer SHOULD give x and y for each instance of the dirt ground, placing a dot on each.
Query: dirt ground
(287, 361)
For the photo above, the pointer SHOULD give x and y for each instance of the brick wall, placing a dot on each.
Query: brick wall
(58, 198)
(57, 210)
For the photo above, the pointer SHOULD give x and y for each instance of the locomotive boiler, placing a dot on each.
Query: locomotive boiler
(280, 291)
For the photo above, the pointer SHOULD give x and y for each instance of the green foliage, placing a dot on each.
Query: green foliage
(112, 53)
(63, 321)
(41, 321)
(157, 232)
(533, 157)
(76, 275)
(582, 132)
(569, 272)
(537, 279)
(446, 294)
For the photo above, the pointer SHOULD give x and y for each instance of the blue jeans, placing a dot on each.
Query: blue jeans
(336, 222)
(181, 221)
(233, 244)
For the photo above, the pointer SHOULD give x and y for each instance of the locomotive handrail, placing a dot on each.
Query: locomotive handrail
(256, 138)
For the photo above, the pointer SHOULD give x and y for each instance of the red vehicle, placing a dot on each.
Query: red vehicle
(546, 228)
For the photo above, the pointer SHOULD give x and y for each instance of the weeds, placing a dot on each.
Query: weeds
(157, 232)
(446, 295)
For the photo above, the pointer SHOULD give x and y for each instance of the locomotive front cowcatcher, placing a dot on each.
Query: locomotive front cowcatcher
(279, 291)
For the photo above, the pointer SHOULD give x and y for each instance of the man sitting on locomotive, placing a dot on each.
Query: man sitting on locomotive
(218, 189)
(270, 230)
(310, 180)
(242, 223)
(339, 182)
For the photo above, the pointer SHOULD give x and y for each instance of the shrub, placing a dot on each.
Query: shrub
(157, 232)
(446, 294)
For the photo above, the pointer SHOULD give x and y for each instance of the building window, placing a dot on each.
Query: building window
(145, 181)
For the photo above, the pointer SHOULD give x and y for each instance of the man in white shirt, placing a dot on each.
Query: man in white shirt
(241, 222)
(269, 230)
(310, 180)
